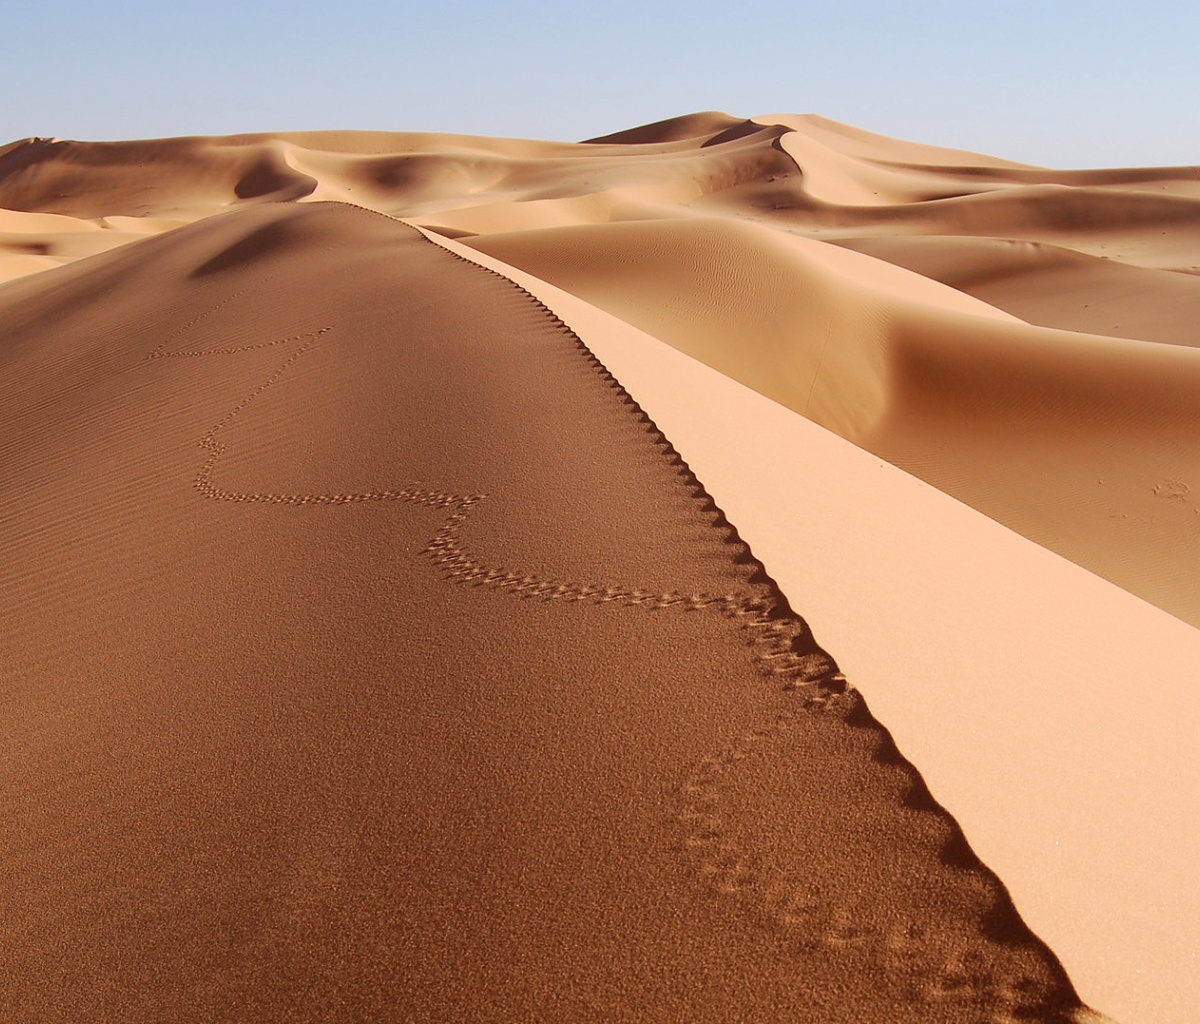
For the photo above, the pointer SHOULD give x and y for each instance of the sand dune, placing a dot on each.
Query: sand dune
(1052, 286)
(1010, 686)
(1109, 482)
(262, 692)
(1024, 424)
(372, 653)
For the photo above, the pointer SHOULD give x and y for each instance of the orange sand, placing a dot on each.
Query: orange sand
(269, 762)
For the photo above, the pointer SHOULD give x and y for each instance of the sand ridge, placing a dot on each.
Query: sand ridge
(257, 789)
(246, 266)
(1011, 686)
(787, 649)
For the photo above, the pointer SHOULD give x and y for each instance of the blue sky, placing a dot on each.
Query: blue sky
(1060, 83)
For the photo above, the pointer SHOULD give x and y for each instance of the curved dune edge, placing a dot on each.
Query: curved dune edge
(1026, 424)
(243, 318)
(784, 645)
(1097, 253)
(1041, 704)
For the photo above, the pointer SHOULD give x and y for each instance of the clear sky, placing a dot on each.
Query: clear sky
(1061, 83)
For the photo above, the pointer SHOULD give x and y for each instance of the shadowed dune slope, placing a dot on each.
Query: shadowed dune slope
(686, 129)
(405, 174)
(372, 656)
(1001, 669)
(1053, 286)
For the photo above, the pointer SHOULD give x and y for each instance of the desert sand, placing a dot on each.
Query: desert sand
(727, 570)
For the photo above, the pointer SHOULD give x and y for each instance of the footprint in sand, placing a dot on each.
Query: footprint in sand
(1175, 490)
(744, 818)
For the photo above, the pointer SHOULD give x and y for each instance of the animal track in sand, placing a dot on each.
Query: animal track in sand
(782, 644)
(204, 315)
(1175, 490)
(784, 888)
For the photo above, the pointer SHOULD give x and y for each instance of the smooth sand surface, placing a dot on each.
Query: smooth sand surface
(1021, 422)
(270, 763)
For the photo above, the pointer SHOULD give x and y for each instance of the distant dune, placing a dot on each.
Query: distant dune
(394, 628)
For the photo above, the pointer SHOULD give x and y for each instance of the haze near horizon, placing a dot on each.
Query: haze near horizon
(1060, 84)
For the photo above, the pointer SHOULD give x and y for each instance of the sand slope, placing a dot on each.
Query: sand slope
(1053, 711)
(1025, 424)
(247, 442)
(371, 656)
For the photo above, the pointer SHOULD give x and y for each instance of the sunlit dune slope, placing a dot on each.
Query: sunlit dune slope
(257, 435)
(414, 175)
(1002, 669)
(708, 231)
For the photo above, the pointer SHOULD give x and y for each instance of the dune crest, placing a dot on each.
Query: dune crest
(414, 675)
(857, 348)
(357, 608)
(1003, 670)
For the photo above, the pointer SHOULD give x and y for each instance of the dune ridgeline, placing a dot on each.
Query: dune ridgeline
(388, 634)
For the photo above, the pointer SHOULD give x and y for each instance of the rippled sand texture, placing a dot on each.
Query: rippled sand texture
(370, 654)
(377, 659)
(1014, 414)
